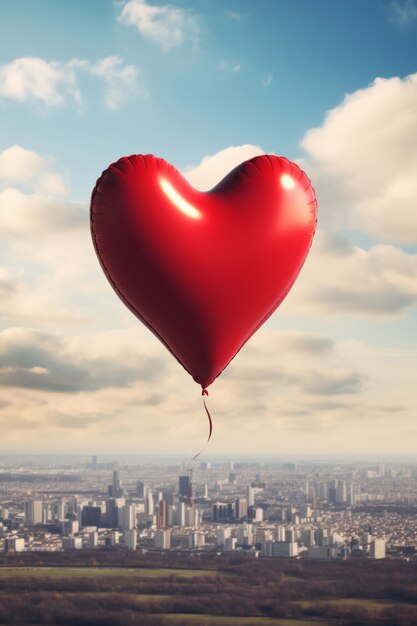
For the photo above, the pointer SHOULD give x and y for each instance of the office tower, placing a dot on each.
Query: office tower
(162, 539)
(91, 516)
(149, 504)
(115, 490)
(340, 492)
(60, 510)
(232, 478)
(131, 539)
(127, 517)
(251, 495)
(205, 465)
(46, 513)
(185, 489)
(171, 515)
(161, 515)
(92, 541)
(33, 512)
(112, 511)
(223, 512)
(241, 508)
(94, 462)
(245, 535)
(332, 493)
(205, 491)
(257, 514)
(140, 490)
(192, 516)
(180, 514)
(377, 550)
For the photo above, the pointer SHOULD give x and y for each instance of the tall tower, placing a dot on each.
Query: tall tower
(185, 488)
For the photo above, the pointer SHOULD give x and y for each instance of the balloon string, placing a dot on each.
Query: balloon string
(205, 393)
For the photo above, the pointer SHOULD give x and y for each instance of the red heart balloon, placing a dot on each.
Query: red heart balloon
(203, 271)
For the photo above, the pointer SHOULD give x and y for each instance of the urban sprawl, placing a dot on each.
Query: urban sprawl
(265, 510)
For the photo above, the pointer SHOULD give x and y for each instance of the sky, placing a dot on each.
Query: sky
(207, 85)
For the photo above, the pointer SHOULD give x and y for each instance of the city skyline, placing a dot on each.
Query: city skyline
(206, 86)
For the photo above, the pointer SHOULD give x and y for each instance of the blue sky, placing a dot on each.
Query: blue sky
(315, 53)
(83, 83)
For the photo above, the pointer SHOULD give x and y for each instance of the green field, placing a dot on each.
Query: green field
(214, 620)
(98, 572)
(109, 589)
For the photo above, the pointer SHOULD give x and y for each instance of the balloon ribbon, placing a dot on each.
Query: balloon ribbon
(205, 393)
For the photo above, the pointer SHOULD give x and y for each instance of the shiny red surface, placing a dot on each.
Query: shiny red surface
(202, 270)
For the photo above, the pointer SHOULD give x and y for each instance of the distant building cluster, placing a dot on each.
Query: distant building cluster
(266, 511)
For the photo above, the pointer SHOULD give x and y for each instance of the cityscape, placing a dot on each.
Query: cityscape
(252, 509)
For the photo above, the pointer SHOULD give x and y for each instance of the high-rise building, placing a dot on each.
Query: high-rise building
(223, 512)
(377, 549)
(113, 505)
(127, 517)
(33, 512)
(241, 508)
(131, 539)
(192, 516)
(181, 514)
(222, 535)
(161, 515)
(340, 492)
(91, 516)
(60, 510)
(149, 504)
(140, 490)
(251, 495)
(116, 490)
(185, 489)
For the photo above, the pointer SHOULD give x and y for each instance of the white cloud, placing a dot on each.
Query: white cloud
(18, 165)
(167, 25)
(37, 215)
(229, 66)
(340, 278)
(213, 168)
(33, 78)
(363, 161)
(121, 81)
(403, 13)
(54, 83)
(266, 81)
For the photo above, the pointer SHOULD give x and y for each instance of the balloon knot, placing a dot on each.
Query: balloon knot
(204, 392)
